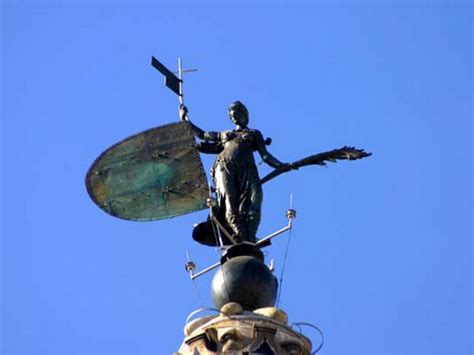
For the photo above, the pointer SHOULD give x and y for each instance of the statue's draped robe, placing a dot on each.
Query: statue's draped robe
(237, 183)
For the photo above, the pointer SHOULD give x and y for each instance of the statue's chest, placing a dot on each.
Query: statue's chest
(239, 137)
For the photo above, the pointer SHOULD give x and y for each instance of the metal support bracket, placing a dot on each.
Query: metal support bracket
(265, 241)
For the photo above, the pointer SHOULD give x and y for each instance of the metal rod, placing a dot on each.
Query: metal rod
(206, 270)
(180, 76)
(211, 213)
(219, 225)
(185, 71)
(273, 235)
(218, 230)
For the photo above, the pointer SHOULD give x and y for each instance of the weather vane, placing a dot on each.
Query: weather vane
(158, 174)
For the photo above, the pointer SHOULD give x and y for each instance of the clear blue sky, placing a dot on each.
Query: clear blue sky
(381, 252)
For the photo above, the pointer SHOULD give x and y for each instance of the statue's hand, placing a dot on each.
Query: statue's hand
(183, 113)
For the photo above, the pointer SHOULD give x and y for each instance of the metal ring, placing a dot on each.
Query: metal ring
(299, 324)
(199, 310)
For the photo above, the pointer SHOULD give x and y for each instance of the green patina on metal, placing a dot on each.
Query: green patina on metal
(153, 175)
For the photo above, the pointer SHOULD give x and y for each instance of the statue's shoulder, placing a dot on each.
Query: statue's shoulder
(256, 133)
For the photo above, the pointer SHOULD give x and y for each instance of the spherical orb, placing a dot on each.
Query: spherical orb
(245, 280)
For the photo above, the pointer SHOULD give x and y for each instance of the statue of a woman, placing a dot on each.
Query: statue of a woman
(235, 174)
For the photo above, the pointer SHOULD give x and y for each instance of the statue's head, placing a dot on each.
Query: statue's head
(239, 114)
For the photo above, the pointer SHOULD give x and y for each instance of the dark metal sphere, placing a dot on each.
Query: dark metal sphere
(245, 280)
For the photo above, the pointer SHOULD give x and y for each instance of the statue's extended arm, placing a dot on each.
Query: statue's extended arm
(200, 133)
(265, 154)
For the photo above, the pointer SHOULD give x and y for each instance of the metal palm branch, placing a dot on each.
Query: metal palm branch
(344, 153)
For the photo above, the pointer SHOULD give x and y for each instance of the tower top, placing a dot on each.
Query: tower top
(265, 331)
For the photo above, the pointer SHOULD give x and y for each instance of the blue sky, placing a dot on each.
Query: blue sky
(381, 252)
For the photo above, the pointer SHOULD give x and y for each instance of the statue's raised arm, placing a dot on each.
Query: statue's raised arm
(200, 133)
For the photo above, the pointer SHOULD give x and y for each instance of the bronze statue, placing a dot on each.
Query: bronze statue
(235, 174)
(158, 173)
